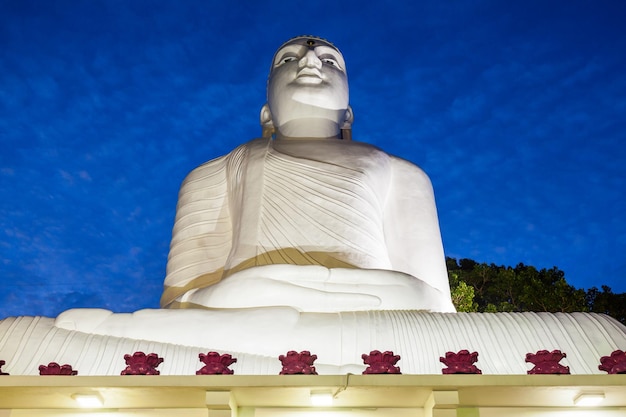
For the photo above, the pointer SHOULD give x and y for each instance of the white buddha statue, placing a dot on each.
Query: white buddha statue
(307, 219)
(305, 240)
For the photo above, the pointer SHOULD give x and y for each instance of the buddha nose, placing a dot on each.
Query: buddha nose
(310, 60)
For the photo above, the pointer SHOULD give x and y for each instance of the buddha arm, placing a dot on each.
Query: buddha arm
(412, 228)
(202, 234)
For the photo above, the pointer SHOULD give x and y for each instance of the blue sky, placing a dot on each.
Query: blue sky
(516, 110)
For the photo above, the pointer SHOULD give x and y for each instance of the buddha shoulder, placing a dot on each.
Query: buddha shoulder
(218, 166)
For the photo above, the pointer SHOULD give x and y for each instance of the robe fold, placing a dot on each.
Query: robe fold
(303, 202)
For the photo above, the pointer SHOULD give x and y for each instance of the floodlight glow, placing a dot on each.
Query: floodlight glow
(588, 399)
(321, 398)
(88, 400)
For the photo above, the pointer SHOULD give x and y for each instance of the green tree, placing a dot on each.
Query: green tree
(491, 288)
(607, 302)
(462, 295)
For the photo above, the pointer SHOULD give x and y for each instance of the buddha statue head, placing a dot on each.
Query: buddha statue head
(307, 92)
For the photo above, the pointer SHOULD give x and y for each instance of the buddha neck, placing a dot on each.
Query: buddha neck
(310, 128)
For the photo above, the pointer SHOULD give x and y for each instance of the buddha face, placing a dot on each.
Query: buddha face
(307, 80)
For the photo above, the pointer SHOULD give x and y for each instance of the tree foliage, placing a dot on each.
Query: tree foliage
(462, 295)
(493, 288)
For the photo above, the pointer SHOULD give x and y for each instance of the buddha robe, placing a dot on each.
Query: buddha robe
(332, 203)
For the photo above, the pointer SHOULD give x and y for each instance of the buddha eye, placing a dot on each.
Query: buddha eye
(285, 59)
(331, 59)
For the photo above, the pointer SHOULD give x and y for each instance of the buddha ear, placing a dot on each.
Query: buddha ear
(346, 127)
(266, 122)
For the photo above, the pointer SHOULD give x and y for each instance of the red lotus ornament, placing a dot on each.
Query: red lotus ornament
(1, 365)
(295, 363)
(614, 364)
(54, 368)
(141, 364)
(216, 364)
(381, 363)
(461, 362)
(547, 362)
